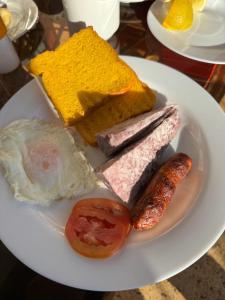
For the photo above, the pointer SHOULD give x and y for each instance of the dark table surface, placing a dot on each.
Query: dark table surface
(206, 278)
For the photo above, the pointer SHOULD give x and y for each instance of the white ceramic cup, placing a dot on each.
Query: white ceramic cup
(103, 15)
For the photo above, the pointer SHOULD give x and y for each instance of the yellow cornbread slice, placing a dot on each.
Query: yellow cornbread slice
(139, 99)
(80, 74)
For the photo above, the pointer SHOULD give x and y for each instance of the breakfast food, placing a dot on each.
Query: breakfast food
(97, 227)
(93, 89)
(42, 163)
(140, 98)
(114, 139)
(81, 74)
(127, 172)
(149, 210)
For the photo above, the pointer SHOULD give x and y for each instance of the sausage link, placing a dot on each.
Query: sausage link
(150, 208)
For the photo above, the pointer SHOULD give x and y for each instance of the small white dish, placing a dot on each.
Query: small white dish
(208, 28)
(24, 16)
(188, 229)
(205, 41)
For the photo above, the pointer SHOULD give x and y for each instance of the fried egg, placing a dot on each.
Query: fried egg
(42, 162)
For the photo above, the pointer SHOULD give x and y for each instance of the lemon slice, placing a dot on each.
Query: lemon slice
(198, 5)
(6, 16)
(179, 16)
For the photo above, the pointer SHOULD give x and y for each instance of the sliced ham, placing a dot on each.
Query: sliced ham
(128, 172)
(116, 138)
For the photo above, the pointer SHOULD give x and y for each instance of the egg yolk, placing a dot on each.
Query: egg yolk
(42, 162)
(44, 156)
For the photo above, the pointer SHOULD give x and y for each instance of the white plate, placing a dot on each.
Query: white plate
(192, 224)
(204, 42)
(24, 16)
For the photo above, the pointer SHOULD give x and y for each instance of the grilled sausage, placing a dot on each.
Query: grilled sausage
(150, 208)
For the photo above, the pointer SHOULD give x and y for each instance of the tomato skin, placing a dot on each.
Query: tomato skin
(98, 227)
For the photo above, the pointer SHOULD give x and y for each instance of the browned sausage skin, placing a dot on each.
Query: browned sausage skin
(150, 208)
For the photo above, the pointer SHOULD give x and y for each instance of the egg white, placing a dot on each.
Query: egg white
(43, 163)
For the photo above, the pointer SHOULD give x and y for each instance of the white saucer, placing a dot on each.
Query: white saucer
(204, 42)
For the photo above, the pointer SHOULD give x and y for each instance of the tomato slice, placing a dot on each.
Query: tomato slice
(98, 227)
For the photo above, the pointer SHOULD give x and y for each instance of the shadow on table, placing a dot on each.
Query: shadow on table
(203, 280)
(21, 283)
